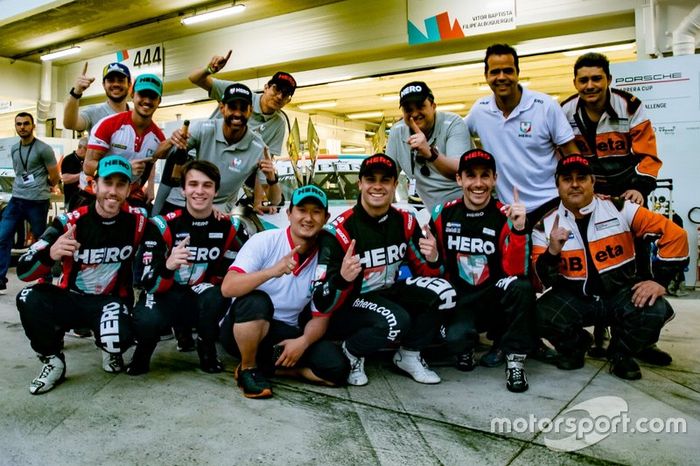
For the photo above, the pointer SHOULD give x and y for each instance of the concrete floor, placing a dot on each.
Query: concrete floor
(179, 415)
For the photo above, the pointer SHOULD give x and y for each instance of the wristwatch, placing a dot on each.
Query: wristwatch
(273, 181)
(434, 153)
(74, 94)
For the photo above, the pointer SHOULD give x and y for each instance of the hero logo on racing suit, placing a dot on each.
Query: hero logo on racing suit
(103, 255)
(382, 256)
(439, 286)
(203, 254)
(471, 245)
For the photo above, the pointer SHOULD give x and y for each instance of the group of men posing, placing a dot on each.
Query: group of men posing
(297, 291)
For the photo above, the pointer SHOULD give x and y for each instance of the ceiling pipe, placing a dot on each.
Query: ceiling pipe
(685, 34)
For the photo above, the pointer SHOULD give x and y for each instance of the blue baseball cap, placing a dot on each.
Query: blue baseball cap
(149, 82)
(114, 164)
(309, 193)
(118, 68)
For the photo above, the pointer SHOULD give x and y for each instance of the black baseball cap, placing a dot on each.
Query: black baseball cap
(237, 91)
(380, 162)
(415, 91)
(284, 82)
(573, 162)
(476, 157)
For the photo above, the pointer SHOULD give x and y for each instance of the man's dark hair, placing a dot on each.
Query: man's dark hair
(501, 49)
(593, 59)
(204, 166)
(25, 115)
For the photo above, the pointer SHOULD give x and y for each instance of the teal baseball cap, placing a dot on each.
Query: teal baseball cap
(149, 82)
(114, 164)
(309, 193)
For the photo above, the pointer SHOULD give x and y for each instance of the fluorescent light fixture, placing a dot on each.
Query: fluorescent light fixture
(390, 97)
(608, 48)
(524, 82)
(213, 14)
(60, 53)
(321, 104)
(362, 115)
(352, 150)
(451, 107)
(346, 82)
(448, 69)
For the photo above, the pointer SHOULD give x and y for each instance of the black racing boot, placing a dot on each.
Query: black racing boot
(208, 360)
(141, 361)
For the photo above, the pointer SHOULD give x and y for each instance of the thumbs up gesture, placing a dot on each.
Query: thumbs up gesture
(516, 211)
(287, 264)
(351, 267)
(65, 245)
(428, 245)
(179, 255)
(557, 237)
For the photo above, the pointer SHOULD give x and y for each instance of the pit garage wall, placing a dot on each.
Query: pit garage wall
(670, 91)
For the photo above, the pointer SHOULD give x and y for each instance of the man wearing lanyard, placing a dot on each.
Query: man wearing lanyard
(35, 172)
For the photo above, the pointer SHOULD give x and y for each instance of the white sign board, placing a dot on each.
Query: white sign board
(669, 88)
(433, 21)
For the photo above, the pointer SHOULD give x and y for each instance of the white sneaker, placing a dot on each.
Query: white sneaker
(112, 363)
(357, 374)
(412, 363)
(53, 373)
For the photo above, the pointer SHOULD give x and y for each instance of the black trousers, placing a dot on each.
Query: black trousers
(47, 311)
(561, 314)
(324, 358)
(409, 313)
(200, 306)
(505, 309)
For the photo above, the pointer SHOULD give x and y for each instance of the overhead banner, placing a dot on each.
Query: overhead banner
(437, 20)
(669, 88)
(148, 59)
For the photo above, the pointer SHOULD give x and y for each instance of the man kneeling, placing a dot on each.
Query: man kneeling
(186, 255)
(95, 245)
(269, 324)
(585, 251)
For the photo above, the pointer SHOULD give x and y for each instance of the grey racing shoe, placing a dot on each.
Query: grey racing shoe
(357, 374)
(414, 365)
(516, 380)
(112, 362)
(52, 373)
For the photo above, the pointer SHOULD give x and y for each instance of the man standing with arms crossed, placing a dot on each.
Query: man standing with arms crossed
(522, 129)
(36, 171)
(427, 144)
(116, 79)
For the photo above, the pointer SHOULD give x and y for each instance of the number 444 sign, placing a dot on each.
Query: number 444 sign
(144, 59)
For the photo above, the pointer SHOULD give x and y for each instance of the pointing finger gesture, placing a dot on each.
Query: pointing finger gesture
(557, 237)
(516, 211)
(428, 245)
(179, 255)
(65, 245)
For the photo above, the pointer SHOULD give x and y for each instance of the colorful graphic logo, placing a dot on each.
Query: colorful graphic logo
(438, 28)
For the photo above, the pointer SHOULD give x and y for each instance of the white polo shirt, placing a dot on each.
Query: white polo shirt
(523, 144)
(289, 293)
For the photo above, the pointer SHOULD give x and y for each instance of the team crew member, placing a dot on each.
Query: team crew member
(585, 251)
(132, 134)
(356, 278)
(229, 144)
(427, 144)
(269, 324)
(116, 79)
(71, 167)
(522, 129)
(267, 118)
(186, 255)
(484, 245)
(95, 245)
(613, 131)
(35, 169)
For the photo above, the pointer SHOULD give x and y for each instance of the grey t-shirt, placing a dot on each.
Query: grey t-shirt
(236, 162)
(270, 127)
(450, 137)
(94, 113)
(31, 164)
